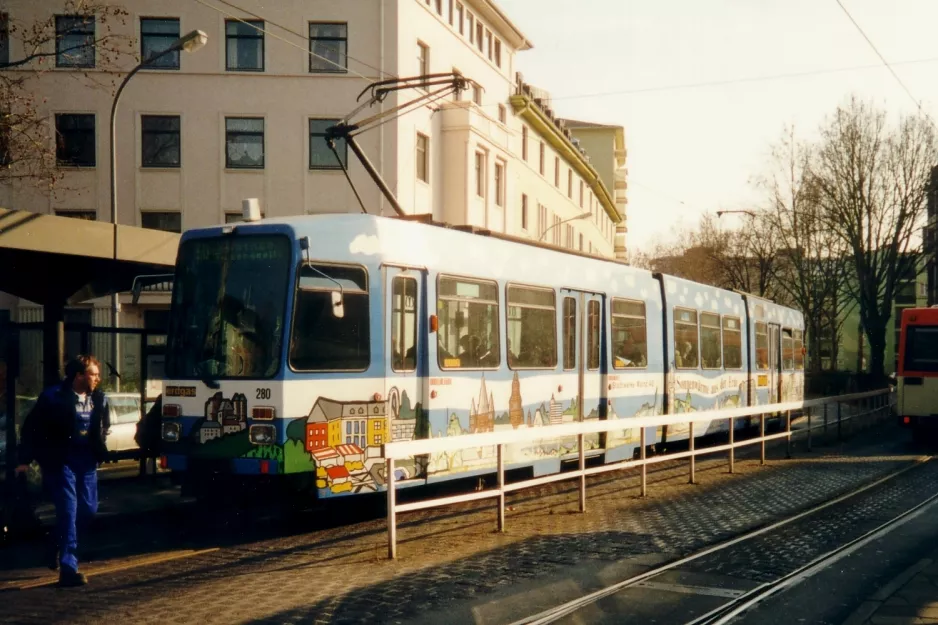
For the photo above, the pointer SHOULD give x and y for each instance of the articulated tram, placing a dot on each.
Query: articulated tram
(298, 346)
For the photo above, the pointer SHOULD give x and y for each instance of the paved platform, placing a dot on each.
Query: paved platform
(909, 599)
(453, 565)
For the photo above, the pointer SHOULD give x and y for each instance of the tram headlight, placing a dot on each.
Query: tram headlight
(171, 432)
(262, 434)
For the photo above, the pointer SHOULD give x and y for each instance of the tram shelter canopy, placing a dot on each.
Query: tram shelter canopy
(57, 261)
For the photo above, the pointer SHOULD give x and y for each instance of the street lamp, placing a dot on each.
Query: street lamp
(745, 212)
(581, 216)
(190, 42)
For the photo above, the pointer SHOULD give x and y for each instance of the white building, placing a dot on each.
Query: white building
(243, 117)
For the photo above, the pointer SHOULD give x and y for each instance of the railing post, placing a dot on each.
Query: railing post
(839, 422)
(809, 430)
(501, 488)
(582, 475)
(693, 458)
(788, 430)
(762, 436)
(392, 512)
(644, 489)
(732, 443)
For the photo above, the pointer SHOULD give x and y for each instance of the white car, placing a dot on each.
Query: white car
(125, 414)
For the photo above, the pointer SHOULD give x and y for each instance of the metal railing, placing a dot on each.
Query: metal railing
(871, 404)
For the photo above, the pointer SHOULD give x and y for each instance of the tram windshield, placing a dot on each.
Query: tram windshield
(921, 348)
(228, 308)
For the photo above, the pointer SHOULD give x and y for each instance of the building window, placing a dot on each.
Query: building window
(74, 40)
(570, 183)
(479, 37)
(423, 157)
(557, 171)
(157, 35)
(320, 154)
(423, 60)
(439, 7)
(499, 183)
(541, 220)
(480, 174)
(460, 18)
(555, 231)
(543, 158)
(524, 211)
(569, 238)
(75, 140)
(328, 47)
(166, 221)
(582, 187)
(472, 31)
(244, 143)
(244, 43)
(581, 241)
(488, 43)
(498, 52)
(502, 114)
(84, 215)
(477, 93)
(160, 140)
(524, 143)
(451, 13)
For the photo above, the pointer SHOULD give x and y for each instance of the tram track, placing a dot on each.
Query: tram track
(741, 602)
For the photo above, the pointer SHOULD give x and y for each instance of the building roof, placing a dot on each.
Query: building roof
(49, 259)
(493, 13)
(337, 472)
(325, 454)
(349, 450)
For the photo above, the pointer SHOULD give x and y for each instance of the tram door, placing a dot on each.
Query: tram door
(582, 354)
(775, 376)
(406, 332)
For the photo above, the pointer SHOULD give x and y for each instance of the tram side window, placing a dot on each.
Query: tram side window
(403, 324)
(788, 350)
(628, 334)
(711, 352)
(685, 339)
(732, 343)
(798, 336)
(532, 328)
(468, 330)
(569, 333)
(762, 346)
(323, 341)
(593, 318)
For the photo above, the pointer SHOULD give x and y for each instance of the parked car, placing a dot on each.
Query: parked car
(125, 414)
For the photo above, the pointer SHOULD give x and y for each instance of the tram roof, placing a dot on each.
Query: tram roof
(49, 259)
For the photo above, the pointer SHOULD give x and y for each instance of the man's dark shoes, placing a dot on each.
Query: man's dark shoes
(70, 579)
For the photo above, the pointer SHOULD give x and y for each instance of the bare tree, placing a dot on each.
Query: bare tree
(82, 35)
(871, 183)
(745, 257)
(811, 271)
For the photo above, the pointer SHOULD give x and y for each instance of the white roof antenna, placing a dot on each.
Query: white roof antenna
(250, 210)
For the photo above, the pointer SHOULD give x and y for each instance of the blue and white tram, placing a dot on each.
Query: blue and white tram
(298, 346)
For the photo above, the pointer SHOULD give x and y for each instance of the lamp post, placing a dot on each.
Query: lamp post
(190, 42)
(559, 223)
(744, 212)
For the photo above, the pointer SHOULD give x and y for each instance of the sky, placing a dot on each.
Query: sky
(698, 149)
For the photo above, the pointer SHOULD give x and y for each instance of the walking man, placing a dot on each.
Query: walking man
(66, 433)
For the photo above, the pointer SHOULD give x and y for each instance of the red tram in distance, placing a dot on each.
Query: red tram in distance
(918, 370)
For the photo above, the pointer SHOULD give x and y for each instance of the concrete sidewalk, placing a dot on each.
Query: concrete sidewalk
(909, 599)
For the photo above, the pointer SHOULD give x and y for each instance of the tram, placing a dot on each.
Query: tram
(298, 346)
(917, 374)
